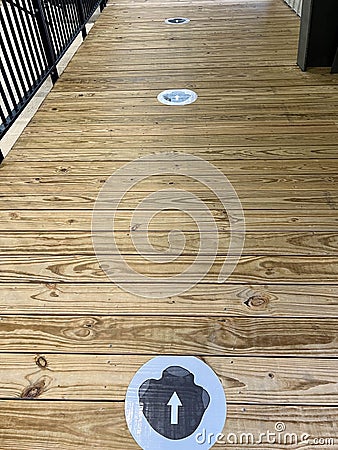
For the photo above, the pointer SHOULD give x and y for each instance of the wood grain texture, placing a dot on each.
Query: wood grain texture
(170, 335)
(70, 339)
(50, 198)
(104, 136)
(256, 243)
(107, 377)
(89, 425)
(94, 148)
(225, 300)
(250, 269)
(61, 184)
(253, 76)
(80, 220)
(280, 169)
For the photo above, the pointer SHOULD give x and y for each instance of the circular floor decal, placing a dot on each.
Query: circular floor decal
(174, 402)
(177, 20)
(177, 97)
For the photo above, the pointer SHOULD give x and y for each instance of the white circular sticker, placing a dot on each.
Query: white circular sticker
(174, 402)
(177, 97)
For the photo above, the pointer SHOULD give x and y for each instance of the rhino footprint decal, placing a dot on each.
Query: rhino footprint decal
(173, 405)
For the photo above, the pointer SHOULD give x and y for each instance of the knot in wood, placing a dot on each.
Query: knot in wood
(41, 362)
(257, 301)
(34, 390)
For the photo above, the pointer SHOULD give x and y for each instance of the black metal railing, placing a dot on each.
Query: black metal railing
(34, 36)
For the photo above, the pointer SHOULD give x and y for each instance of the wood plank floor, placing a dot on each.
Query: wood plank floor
(71, 340)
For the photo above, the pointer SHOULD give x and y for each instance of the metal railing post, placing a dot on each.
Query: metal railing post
(82, 18)
(46, 39)
(102, 5)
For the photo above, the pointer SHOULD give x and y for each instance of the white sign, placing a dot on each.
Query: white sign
(172, 401)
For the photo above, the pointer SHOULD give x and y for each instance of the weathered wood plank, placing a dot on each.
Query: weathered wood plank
(206, 26)
(250, 269)
(256, 243)
(124, 39)
(88, 425)
(253, 76)
(170, 335)
(48, 198)
(80, 220)
(228, 102)
(265, 60)
(106, 377)
(212, 91)
(102, 140)
(297, 115)
(224, 129)
(94, 147)
(112, 119)
(209, 300)
(61, 183)
(256, 182)
(277, 169)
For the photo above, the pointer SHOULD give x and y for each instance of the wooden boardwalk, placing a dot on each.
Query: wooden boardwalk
(71, 339)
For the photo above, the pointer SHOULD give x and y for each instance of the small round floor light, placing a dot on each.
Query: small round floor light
(177, 20)
(177, 97)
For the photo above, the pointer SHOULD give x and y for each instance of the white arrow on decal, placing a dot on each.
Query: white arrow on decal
(174, 403)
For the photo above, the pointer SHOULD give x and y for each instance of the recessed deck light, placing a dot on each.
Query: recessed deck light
(177, 97)
(177, 20)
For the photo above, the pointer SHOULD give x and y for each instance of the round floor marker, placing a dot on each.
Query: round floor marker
(177, 97)
(177, 20)
(175, 402)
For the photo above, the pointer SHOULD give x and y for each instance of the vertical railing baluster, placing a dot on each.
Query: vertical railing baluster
(46, 38)
(82, 18)
(36, 35)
